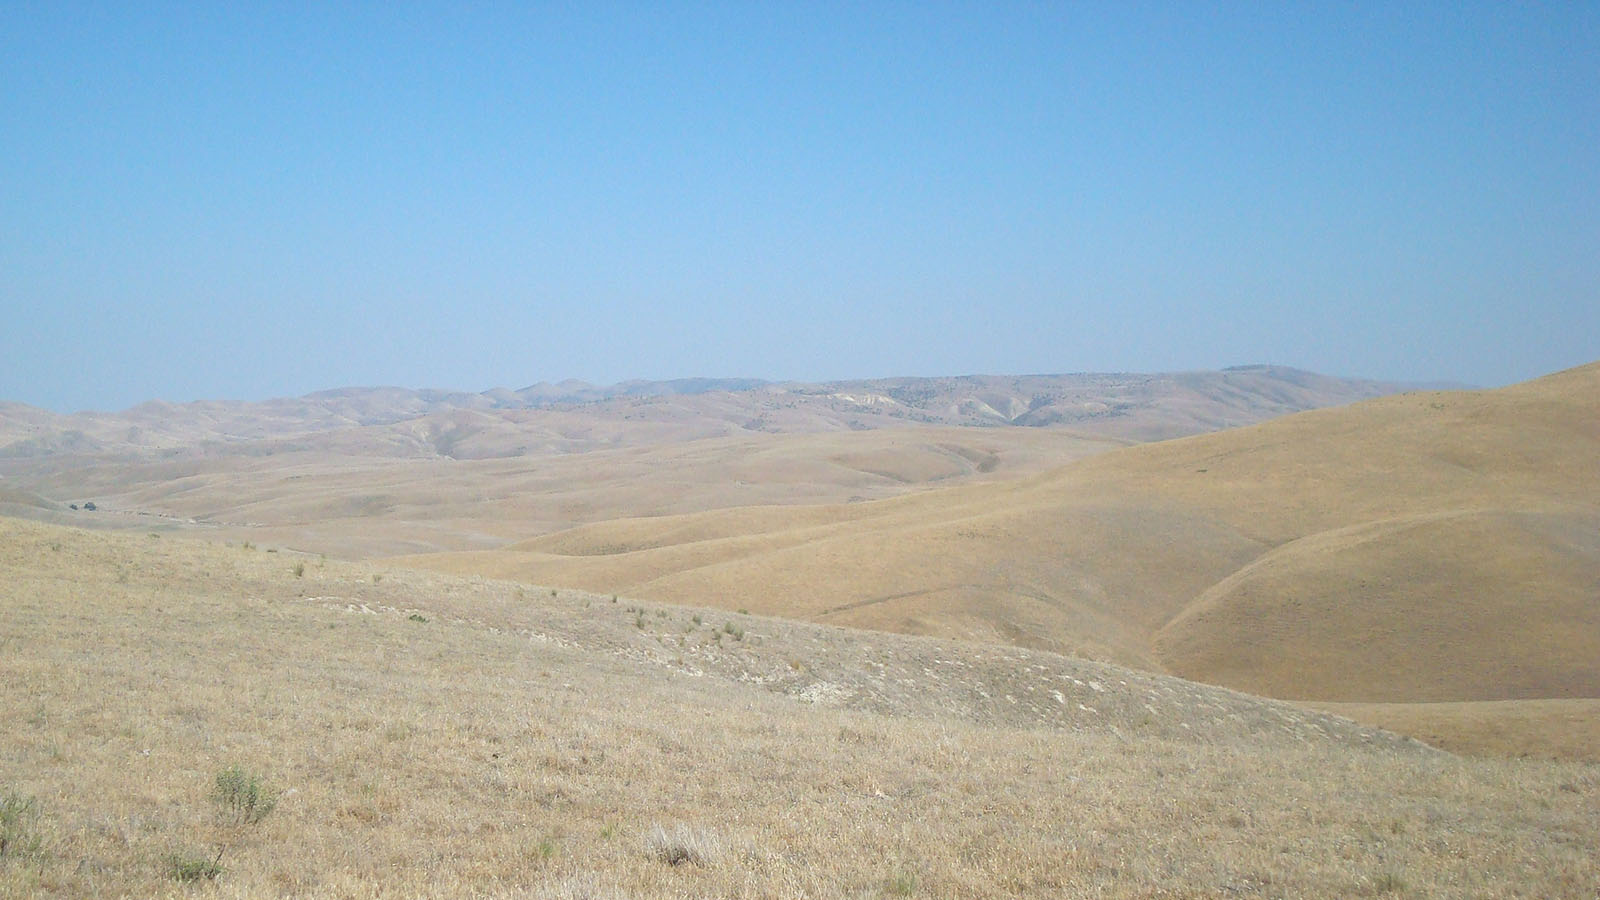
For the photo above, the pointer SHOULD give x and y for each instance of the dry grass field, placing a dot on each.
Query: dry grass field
(1428, 547)
(419, 734)
(363, 503)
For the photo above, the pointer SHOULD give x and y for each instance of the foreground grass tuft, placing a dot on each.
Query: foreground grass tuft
(902, 885)
(188, 866)
(244, 798)
(1389, 883)
(19, 831)
(683, 844)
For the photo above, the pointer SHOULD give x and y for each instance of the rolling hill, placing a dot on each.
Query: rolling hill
(1426, 547)
(381, 471)
(191, 719)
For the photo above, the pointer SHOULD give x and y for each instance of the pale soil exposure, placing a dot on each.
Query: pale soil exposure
(427, 735)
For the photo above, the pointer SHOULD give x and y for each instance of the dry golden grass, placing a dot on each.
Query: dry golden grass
(354, 501)
(1437, 546)
(1540, 729)
(522, 745)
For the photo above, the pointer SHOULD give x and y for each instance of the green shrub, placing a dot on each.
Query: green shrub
(902, 885)
(19, 832)
(189, 866)
(244, 798)
(1389, 883)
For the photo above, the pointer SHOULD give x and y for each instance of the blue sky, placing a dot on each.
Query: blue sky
(265, 200)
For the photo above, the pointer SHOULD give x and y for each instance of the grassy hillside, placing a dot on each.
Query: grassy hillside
(418, 734)
(1437, 546)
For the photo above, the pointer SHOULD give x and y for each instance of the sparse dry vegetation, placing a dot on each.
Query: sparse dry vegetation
(533, 749)
(19, 828)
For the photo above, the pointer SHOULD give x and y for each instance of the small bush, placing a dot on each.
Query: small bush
(417, 617)
(1389, 883)
(189, 866)
(244, 798)
(299, 569)
(19, 832)
(902, 885)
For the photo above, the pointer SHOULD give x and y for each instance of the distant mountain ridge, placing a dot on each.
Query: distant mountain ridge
(491, 423)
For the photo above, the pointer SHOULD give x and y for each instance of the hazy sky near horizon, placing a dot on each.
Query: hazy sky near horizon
(263, 200)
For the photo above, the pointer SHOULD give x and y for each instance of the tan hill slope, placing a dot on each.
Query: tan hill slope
(1430, 546)
(414, 734)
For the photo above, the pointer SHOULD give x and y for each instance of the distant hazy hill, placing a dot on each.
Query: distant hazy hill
(575, 416)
